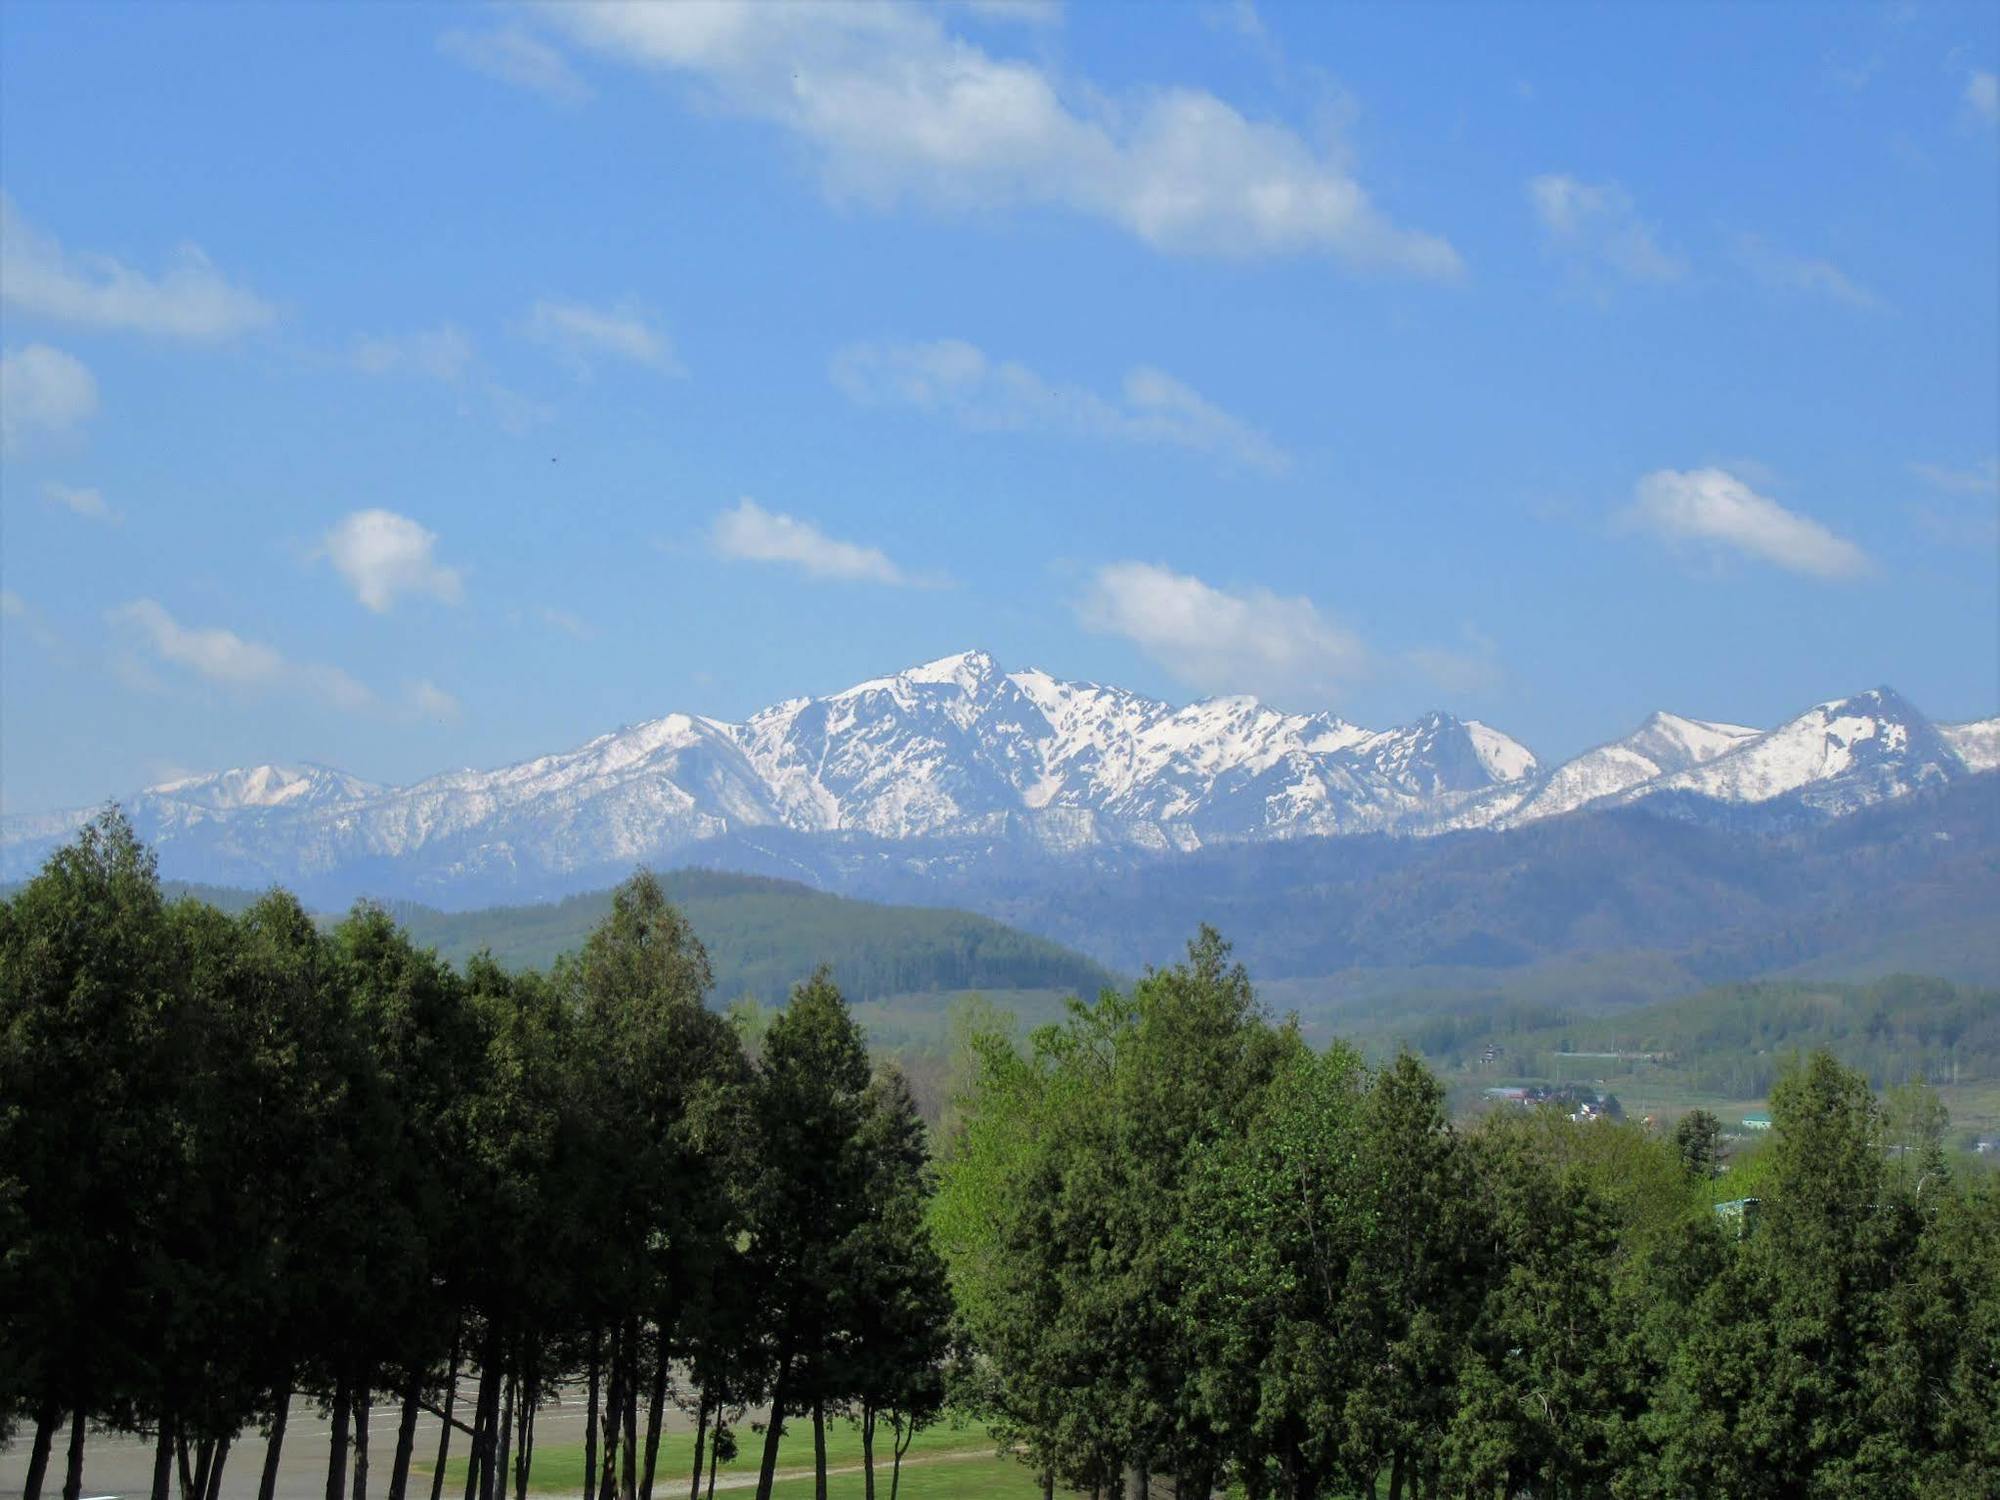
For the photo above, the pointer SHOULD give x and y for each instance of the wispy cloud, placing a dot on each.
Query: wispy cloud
(213, 654)
(1219, 641)
(1982, 96)
(44, 392)
(191, 299)
(561, 619)
(1713, 508)
(424, 699)
(385, 556)
(443, 353)
(749, 533)
(515, 55)
(1598, 224)
(1785, 272)
(1976, 479)
(580, 335)
(957, 380)
(222, 656)
(897, 106)
(78, 501)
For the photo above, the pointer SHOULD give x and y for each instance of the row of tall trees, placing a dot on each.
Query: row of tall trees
(244, 1161)
(1185, 1243)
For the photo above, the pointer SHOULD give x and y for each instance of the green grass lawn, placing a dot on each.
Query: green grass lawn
(558, 1468)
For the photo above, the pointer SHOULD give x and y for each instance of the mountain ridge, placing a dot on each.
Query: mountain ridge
(960, 752)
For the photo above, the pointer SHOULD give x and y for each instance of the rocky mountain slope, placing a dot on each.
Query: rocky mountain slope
(960, 759)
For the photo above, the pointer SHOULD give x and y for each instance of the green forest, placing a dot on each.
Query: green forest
(1164, 1243)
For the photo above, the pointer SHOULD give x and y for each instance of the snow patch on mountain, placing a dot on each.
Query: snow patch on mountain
(960, 753)
(1977, 744)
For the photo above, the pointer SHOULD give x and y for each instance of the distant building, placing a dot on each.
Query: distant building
(1756, 1122)
(1741, 1213)
(1987, 1146)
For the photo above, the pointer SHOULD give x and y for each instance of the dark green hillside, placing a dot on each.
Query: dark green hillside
(763, 936)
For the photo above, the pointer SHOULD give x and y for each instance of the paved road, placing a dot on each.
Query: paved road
(119, 1467)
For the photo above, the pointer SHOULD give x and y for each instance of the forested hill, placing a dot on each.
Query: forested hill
(763, 936)
(1733, 1039)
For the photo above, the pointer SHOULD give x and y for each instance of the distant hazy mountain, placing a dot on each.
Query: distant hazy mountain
(959, 762)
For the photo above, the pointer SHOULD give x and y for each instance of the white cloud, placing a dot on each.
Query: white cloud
(1798, 273)
(217, 654)
(750, 533)
(28, 620)
(223, 656)
(1712, 507)
(898, 107)
(42, 391)
(949, 377)
(1598, 222)
(442, 353)
(580, 334)
(561, 619)
(383, 555)
(426, 700)
(1254, 641)
(190, 300)
(87, 503)
(1982, 96)
(514, 55)
(1470, 670)
(1979, 479)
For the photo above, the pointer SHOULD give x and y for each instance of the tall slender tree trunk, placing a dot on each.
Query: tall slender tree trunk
(1049, 1484)
(444, 1431)
(181, 1461)
(336, 1458)
(700, 1436)
(774, 1430)
(479, 1458)
(868, 1450)
(714, 1444)
(204, 1461)
(656, 1413)
(905, 1432)
(614, 1397)
(364, 1402)
(496, 1482)
(1396, 1478)
(163, 1459)
(590, 1415)
(628, 1486)
(819, 1449)
(46, 1422)
(524, 1440)
(214, 1486)
(73, 1475)
(267, 1483)
(406, 1437)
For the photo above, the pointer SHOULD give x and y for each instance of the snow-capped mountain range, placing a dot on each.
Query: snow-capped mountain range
(961, 751)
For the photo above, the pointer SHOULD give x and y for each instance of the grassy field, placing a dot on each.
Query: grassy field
(943, 1461)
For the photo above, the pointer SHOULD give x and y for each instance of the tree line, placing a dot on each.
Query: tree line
(1188, 1245)
(1165, 1241)
(245, 1162)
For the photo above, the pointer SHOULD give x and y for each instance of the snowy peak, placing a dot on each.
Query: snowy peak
(1673, 743)
(1439, 754)
(1836, 756)
(1977, 744)
(962, 754)
(264, 786)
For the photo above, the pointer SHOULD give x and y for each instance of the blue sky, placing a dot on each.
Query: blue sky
(403, 387)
